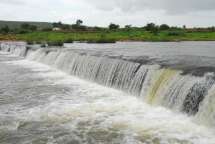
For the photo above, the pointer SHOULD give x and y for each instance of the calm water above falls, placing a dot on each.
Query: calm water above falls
(41, 105)
(188, 56)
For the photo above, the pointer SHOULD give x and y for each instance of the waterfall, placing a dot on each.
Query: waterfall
(206, 114)
(17, 48)
(157, 86)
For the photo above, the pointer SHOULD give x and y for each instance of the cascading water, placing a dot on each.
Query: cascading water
(18, 48)
(154, 84)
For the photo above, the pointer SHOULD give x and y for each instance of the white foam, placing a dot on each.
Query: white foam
(106, 108)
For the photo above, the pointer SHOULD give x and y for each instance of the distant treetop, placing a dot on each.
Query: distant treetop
(113, 26)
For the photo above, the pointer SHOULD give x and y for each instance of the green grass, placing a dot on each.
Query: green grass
(120, 35)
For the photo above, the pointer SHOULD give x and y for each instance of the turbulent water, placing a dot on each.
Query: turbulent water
(144, 97)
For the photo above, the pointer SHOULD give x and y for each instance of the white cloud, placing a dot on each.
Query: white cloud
(170, 6)
(102, 12)
(12, 2)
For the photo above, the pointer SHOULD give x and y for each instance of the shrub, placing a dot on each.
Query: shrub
(47, 29)
(55, 43)
(69, 40)
(5, 29)
(176, 33)
(150, 26)
(22, 31)
(26, 26)
(113, 26)
(102, 39)
(164, 27)
(30, 42)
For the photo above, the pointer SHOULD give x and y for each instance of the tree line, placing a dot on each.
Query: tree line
(78, 26)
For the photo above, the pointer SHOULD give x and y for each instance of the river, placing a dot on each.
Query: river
(124, 93)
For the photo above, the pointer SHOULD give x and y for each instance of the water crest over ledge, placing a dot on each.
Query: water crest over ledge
(154, 84)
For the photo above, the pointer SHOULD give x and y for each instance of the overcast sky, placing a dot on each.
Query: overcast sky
(102, 12)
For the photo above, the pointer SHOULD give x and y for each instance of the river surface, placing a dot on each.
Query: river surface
(42, 105)
(191, 57)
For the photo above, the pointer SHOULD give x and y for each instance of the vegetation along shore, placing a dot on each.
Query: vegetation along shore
(58, 33)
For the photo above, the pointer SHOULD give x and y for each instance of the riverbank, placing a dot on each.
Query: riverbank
(111, 36)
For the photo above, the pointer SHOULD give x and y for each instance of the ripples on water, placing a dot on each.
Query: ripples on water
(40, 105)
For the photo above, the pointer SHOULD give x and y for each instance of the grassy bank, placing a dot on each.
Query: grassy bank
(111, 36)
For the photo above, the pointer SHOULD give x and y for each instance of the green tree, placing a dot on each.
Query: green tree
(78, 25)
(32, 27)
(25, 26)
(28, 27)
(150, 26)
(79, 22)
(128, 26)
(155, 30)
(113, 26)
(164, 27)
(5, 29)
(211, 28)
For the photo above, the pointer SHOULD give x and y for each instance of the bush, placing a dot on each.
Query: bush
(102, 41)
(150, 27)
(113, 26)
(176, 33)
(69, 41)
(26, 26)
(43, 45)
(164, 27)
(47, 29)
(30, 42)
(155, 30)
(5, 29)
(22, 31)
(55, 43)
